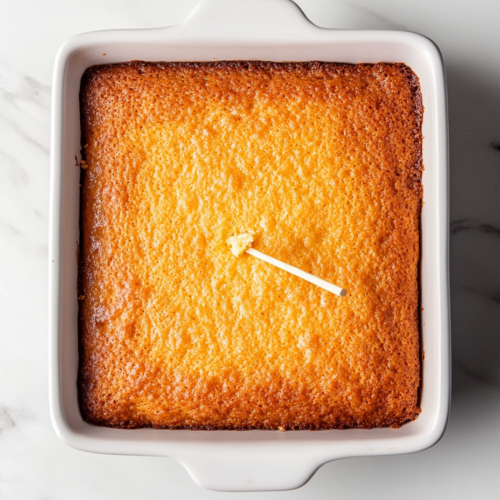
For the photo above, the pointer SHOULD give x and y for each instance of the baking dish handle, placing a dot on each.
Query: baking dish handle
(258, 469)
(247, 19)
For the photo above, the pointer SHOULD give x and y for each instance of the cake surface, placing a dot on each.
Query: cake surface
(322, 163)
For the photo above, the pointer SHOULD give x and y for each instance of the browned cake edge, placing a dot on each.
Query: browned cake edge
(85, 401)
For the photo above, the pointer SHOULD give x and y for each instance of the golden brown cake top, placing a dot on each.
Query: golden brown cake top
(322, 163)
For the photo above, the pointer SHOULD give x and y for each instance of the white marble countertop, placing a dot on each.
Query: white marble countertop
(34, 464)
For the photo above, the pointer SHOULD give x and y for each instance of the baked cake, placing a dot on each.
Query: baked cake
(322, 163)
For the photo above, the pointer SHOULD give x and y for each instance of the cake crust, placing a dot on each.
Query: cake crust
(322, 162)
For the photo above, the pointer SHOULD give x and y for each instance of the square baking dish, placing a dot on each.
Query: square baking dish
(269, 30)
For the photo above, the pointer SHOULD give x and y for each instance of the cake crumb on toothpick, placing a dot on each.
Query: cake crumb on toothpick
(238, 244)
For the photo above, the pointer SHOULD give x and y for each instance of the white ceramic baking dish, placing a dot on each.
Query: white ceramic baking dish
(271, 30)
